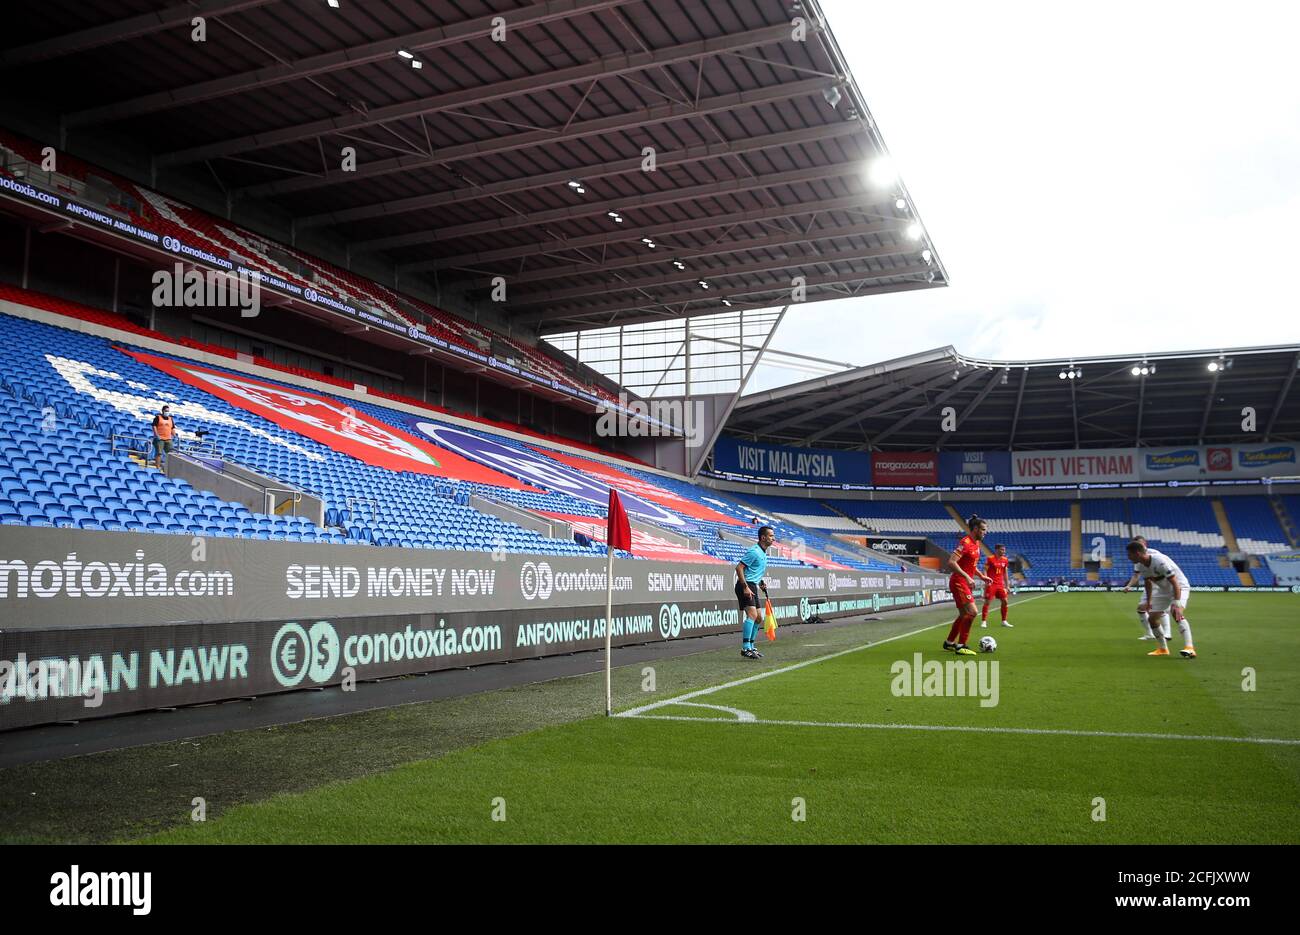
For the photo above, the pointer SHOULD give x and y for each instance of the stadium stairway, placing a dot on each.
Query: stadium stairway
(1076, 537)
(1229, 537)
(1284, 520)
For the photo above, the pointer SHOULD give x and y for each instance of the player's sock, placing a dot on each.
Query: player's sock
(1145, 624)
(1160, 640)
(1185, 629)
(1004, 611)
(985, 614)
(747, 639)
(955, 630)
(965, 629)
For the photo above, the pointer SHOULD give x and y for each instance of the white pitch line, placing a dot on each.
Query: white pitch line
(636, 712)
(975, 730)
(745, 717)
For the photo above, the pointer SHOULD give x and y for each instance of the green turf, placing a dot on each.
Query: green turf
(125, 794)
(1072, 663)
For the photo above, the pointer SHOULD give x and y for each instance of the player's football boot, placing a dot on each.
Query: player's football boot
(948, 647)
(964, 650)
(1188, 652)
(984, 624)
(757, 654)
(749, 654)
(1008, 624)
(1158, 652)
(1149, 636)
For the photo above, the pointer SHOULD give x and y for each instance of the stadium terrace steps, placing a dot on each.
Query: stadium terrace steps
(1285, 521)
(1225, 527)
(1076, 535)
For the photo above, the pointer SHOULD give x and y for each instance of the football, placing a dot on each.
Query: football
(988, 645)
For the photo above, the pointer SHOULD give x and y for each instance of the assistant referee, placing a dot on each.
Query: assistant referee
(749, 580)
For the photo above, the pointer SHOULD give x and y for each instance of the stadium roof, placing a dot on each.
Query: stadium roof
(464, 163)
(899, 404)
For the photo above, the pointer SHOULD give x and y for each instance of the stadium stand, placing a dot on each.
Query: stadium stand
(20, 159)
(1038, 531)
(1186, 530)
(1105, 520)
(804, 512)
(1255, 525)
(74, 397)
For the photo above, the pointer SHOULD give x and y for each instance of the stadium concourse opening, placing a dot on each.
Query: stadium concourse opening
(340, 340)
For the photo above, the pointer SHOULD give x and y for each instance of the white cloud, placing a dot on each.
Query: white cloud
(1101, 179)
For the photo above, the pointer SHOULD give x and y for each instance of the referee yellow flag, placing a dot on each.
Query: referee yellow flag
(769, 619)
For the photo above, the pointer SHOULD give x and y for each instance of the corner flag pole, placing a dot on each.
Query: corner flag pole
(618, 535)
(609, 628)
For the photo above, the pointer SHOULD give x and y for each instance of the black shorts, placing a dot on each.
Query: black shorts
(743, 601)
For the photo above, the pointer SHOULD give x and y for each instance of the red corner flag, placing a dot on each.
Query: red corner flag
(619, 533)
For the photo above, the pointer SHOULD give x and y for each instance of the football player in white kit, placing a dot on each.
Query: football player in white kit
(1143, 622)
(1167, 592)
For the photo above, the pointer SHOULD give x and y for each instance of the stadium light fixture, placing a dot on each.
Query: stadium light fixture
(914, 231)
(926, 257)
(727, 302)
(1214, 366)
(832, 95)
(1061, 375)
(901, 204)
(881, 173)
(703, 284)
(333, 4)
(405, 54)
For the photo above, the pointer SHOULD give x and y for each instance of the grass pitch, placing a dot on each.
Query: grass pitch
(1086, 727)
(1073, 663)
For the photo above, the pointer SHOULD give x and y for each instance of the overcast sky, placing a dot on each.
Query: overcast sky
(1115, 177)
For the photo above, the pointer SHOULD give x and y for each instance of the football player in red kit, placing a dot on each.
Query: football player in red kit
(964, 563)
(995, 566)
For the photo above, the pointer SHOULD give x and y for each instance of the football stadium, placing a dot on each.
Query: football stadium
(382, 460)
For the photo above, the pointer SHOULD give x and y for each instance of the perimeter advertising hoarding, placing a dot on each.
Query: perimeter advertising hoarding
(817, 465)
(909, 547)
(145, 621)
(1097, 465)
(1265, 460)
(1162, 465)
(905, 468)
(974, 468)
